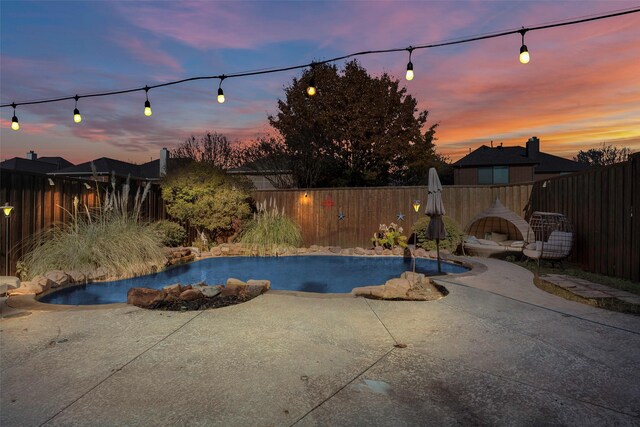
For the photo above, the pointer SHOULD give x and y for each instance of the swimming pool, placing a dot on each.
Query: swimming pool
(318, 273)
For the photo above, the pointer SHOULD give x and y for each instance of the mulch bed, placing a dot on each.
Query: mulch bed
(199, 304)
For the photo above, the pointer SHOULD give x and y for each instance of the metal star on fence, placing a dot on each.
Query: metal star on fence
(341, 216)
(400, 216)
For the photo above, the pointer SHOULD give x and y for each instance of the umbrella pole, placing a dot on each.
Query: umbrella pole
(438, 255)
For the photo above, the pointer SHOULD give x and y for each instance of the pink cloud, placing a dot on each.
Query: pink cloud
(150, 54)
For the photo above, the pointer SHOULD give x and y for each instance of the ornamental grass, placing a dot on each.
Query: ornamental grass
(270, 231)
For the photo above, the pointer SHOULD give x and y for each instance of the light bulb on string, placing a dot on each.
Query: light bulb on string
(14, 120)
(76, 113)
(524, 52)
(311, 87)
(220, 91)
(147, 104)
(409, 75)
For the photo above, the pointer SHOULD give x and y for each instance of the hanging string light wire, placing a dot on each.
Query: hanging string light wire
(339, 58)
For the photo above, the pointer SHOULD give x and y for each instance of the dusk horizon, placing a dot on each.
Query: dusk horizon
(579, 90)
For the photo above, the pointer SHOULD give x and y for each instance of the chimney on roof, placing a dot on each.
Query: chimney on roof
(533, 148)
(31, 155)
(164, 157)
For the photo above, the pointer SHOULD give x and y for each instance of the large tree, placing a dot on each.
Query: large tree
(358, 130)
(606, 155)
(211, 148)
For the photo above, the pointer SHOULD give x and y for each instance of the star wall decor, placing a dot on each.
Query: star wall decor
(341, 216)
(400, 216)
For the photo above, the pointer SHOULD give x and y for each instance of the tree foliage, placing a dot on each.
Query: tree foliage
(358, 130)
(211, 148)
(270, 157)
(206, 198)
(607, 155)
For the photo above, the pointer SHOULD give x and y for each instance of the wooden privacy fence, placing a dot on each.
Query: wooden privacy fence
(365, 209)
(604, 206)
(38, 205)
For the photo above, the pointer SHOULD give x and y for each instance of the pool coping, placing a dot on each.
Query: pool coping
(31, 301)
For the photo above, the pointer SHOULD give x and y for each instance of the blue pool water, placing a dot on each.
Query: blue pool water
(323, 274)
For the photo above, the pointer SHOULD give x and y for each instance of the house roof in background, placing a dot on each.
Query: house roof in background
(506, 156)
(106, 165)
(43, 165)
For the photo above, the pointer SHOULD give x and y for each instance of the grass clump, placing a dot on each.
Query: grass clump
(110, 237)
(270, 230)
(452, 241)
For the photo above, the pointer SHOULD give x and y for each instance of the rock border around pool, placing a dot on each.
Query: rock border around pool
(58, 279)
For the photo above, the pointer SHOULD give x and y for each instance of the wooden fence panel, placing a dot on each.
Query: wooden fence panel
(365, 209)
(604, 206)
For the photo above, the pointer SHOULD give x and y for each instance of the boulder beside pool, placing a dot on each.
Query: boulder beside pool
(198, 296)
(409, 287)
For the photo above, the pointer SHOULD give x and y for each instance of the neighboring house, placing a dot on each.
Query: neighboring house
(33, 164)
(103, 168)
(511, 165)
(265, 175)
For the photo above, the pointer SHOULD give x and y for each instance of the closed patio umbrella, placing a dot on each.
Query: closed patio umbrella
(435, 210)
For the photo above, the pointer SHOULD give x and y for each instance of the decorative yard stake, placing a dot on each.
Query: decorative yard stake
(7, 214)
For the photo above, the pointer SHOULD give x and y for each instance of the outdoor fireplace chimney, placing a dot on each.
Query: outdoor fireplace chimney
(31, 155)
(164, 157)
(533, 148)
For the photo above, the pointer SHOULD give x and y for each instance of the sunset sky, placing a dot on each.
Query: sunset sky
(580, 89)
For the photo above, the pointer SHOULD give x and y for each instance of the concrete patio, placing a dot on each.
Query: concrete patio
(495, 351)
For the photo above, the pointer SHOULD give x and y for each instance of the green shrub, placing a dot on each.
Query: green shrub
(207, 198)
(389, 237)
(270, 230)
(171, 233)
(452, 241)
(110, 237)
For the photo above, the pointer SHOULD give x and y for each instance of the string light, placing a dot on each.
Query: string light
(409, 74)
(311, 88)
(76, 113)
(147, 104)
(14, 120)
(220, 91)
(524, 52)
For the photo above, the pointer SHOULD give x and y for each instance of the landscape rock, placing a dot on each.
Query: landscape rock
(412, 277)
(420, 253)
(175, 289)
(26, 288)
(234, 289)
(378, 250)
(314, 248)
(42, 281)
(256, 287)
(211, 291)
(216, 251)
(387, 252)
(57, 277)
(144, 297)
(359, 251)
(402, 289)
(234, 281)
(397, 251)
(302, 250)
(99, 273)
(348, 251)
(77, 276)
(191, 294)
(194, 250)
(370, 252)
(335, 249)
